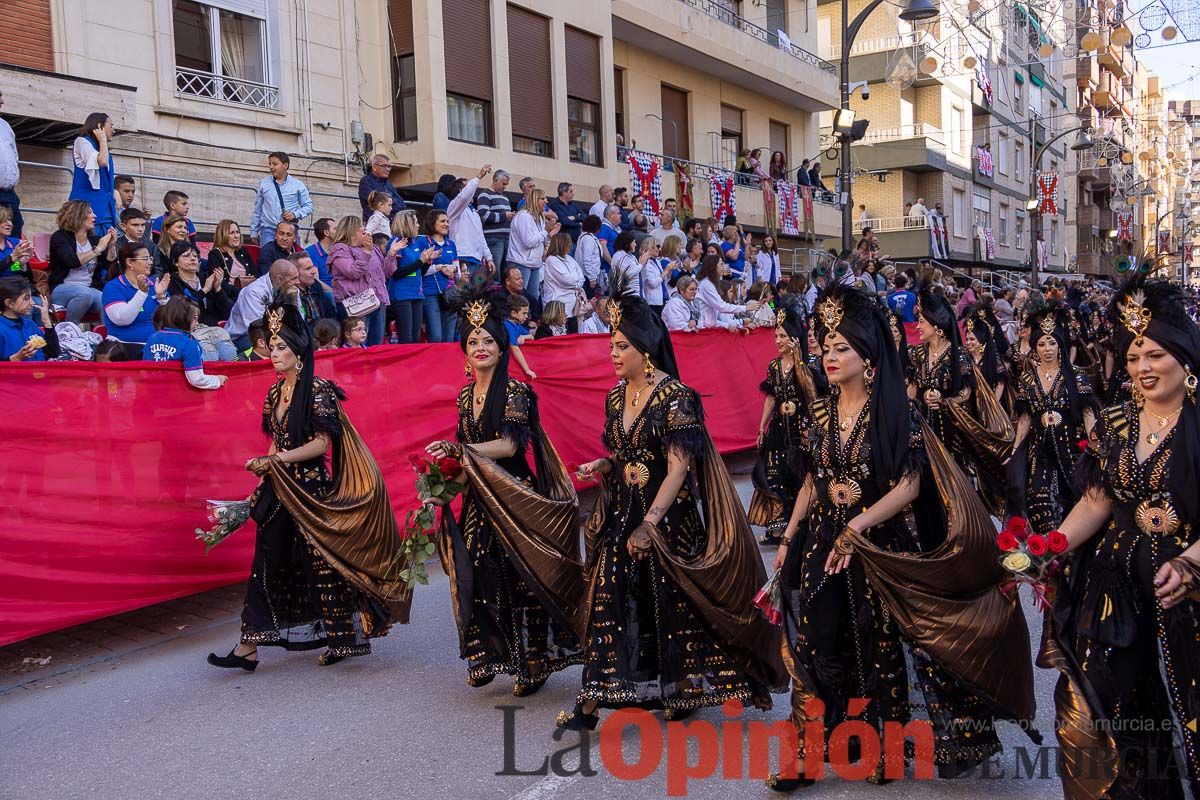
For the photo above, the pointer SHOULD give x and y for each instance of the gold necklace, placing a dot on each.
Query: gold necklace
(287, 392)
(637, 395)
(845, 420)
(1153, 437)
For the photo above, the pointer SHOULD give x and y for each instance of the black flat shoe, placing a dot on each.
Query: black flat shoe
(476, 683)
(677, 714)
(326, 659)
(786, 785)
(768, 540)
(527, 689)
(577, 720)
(233, 662)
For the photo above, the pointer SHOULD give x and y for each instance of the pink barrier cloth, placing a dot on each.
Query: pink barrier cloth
(107, 466)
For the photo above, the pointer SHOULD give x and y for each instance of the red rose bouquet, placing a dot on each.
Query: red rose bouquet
(1031, 558)
(226, 517)
(435, 482)
(769, 600)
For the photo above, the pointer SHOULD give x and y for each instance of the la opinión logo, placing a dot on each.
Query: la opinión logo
(739, 749)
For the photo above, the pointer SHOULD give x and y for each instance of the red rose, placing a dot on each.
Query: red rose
(1007, 542)
(1037, 545)
(1057, 541)
(415, 459)
(572, 468)
(1082, 444)
(1018, 527)
(449, 467)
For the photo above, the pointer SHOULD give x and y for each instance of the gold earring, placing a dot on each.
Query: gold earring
(299, 366)
(869, 374)
(467, 369)
(1190, 383)
(1139, 399)
(648, 368)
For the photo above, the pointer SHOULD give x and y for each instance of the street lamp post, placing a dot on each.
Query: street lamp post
(1035, 165)
(914, 11)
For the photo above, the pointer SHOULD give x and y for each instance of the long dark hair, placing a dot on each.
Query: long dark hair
(1062, 337)
(938, 312)
(94, 120)
(989, 365)
(710, 270)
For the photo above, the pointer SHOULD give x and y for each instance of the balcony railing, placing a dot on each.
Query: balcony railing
(893, 224)
(195, 83)
(902, 133)
(882, 44)
(723, 13)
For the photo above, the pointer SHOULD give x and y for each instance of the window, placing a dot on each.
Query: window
(675, 132)
(583, 131)
(960, 213)
(223, 55)
(404, 79)
(469, 72)
(1054, 237)
(404, 71)
(1002, 154)
(778, 134)
(731, 136)
(1004, 225)
(776, 21)
(1020, 230)
(981, 204)
(1019, 161)
(470, 120)
(619, 97)
(531, 98)
(1018, 95)
(583, 96)
(958, 126)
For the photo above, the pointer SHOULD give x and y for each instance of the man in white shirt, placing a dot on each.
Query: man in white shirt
(918, 210)
(606, 198)
(253, 300)
(667, 228)
(10, 174)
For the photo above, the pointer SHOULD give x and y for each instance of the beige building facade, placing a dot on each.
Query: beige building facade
(201, 90)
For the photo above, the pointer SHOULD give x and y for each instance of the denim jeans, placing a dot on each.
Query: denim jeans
(77, 298)
(408, 320)
(439, 324)
(220, 351)
(499, 247)
(8, 197)
(265, 236)
(533, 280)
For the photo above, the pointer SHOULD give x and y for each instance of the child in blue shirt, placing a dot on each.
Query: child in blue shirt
(20, 337)
(518, 333)
(172, 342)
(178, 203)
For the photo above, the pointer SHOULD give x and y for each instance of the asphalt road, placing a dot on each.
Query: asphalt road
(157, 722)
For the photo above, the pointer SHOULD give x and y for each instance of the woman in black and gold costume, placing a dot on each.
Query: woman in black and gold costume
(1127, 606)
(854, 595)
(980, 342)
(949, 390)
(1055, 410)
(513, 555)
(789, 391)
(324, 571)
(672, 565)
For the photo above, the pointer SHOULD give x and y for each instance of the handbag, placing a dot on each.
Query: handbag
(362, 304)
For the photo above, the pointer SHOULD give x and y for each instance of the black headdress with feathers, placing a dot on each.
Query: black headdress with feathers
(1054, 320)
(485, 308)
(283, 319)
(863, 323)
(937, 311)
(641, 325)
(1156, 310)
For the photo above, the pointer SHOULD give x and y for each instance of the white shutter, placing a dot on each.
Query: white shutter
(251, 8)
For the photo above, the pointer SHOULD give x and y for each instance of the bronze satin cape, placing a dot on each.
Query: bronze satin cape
(721, 582)
(539, 532)
(353, 527)
(986, 428)
(947, 602)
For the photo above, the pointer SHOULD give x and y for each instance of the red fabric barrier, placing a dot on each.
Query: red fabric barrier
(107, 466)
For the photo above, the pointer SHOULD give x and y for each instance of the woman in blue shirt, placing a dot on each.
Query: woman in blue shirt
(19, 334)
(404, 287)
(440, 274)
(172, 342)
(130, 297)
(92, 179)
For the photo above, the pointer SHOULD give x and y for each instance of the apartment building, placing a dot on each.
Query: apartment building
(1183, 142)
(958, 108)
(557, 91)
(200, 90)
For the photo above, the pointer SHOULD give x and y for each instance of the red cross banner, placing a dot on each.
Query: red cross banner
(724, 202)
(987, 166)
(683, 192)
(1164, 242)
(789, 208)
(1047, 183)
(645, 180)
(1125, 226)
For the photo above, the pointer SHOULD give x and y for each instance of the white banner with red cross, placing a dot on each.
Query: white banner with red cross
(1047, 183)
(789, 208)
(985, 83)
(1043, 255)
(989, 244)
(645, 180)
(987, 165)
(724, 201)
(1125, 226)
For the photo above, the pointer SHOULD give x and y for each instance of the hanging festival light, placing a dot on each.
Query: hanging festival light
(928, 64)
(1121, 37)
(1046, 50)
(1090, 41)
(969, 62)
(1170, 32)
